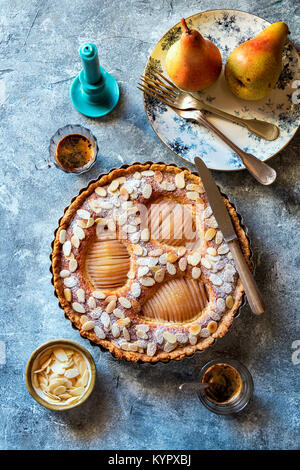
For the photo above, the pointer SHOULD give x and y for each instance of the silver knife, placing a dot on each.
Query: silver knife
(225, 224)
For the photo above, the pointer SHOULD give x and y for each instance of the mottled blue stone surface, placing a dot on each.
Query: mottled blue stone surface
(133, 406)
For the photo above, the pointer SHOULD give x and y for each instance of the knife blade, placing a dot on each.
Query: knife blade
(225, 224)
(215, 199)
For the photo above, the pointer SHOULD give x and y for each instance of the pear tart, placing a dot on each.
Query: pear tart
(141, 268)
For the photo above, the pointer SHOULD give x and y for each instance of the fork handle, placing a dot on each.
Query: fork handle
(262, 172)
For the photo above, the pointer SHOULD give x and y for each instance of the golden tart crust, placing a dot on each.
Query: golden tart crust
(113, 318)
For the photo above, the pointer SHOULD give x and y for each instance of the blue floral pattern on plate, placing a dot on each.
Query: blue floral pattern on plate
(227, 29)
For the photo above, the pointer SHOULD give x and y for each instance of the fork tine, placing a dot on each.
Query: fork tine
(157, 92)
(157, 85)
(158, 82)
(174, 87)
(146, 90)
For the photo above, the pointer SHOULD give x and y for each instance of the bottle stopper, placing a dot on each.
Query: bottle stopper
(94, 91)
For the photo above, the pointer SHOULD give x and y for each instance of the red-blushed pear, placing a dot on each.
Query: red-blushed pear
(253, 68)
(193, 63)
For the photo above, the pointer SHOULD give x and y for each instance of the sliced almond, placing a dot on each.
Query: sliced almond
(229, 302)
(196, 272)
(68, 294)
(147, 191)
(62, 236)
(83, 214)
(101, 191)
(171, 257)
(179, 180)
(67, 248)
(89, 325)
(78, 307)
(209, 234)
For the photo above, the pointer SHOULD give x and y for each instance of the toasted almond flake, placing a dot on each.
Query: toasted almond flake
(193, 339)
(221, 304)
(181, 251)
(147, 191)
(99, 332)
(219, 237)
(147, 281)
(64, 273)
(207, 212)
(67, 248)
(105, 319)
(182, 338)
(205, 263)
(124, 194)
(125, 302)
(196, 272)
(212, 326)
(138, 250)
(79, 232)
(76, 392)
(124, 321)
(156, 252)
(171, 257)
(70, 281)
(111, 306)
(195, 329)
(151, 349)
(68, 295)
(229, 301)
(78, 307)
(131, 274)
(73, 265)
(91, 302)
(147, 173)
(72, 373)
(171, 268)
(118, 313)
(168, 347)
(75, 241)
(211, 222)
(126, 333)
(100, 191)
(204, 333)
(169, 337)
(209, 234)
(98, 294)
(83, 319)
(142, 271)
(194, 259)
(211, 251)
(182, 264)
(137, 175)
(216, 280)
(159, 275)
(90, 222)
(83, 214)
(80, 295)
(109, 298)
(89, 325)
(179, 180)
(223, 249)
(136, 289)
(114, 185)
(62, 236)
(145, 235)
(60, 354)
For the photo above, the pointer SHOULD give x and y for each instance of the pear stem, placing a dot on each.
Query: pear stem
(187, 30)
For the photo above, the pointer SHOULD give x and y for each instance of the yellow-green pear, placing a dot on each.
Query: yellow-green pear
(253, 68)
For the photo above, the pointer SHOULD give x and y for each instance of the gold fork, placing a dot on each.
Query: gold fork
(262, 172)
(184, 101)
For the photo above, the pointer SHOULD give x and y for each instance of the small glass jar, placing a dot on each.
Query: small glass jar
(73, 130)
(239, 400)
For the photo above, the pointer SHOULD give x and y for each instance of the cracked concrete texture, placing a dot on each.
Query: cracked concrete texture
(132, 406)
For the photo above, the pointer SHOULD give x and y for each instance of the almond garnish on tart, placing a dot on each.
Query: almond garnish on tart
(141, 268)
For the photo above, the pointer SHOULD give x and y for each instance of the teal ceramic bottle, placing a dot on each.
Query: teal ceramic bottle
(94, 91)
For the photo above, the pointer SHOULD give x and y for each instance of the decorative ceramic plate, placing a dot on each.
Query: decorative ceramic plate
(227, 29)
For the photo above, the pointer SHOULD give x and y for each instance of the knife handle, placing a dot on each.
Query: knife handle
(253, 295)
